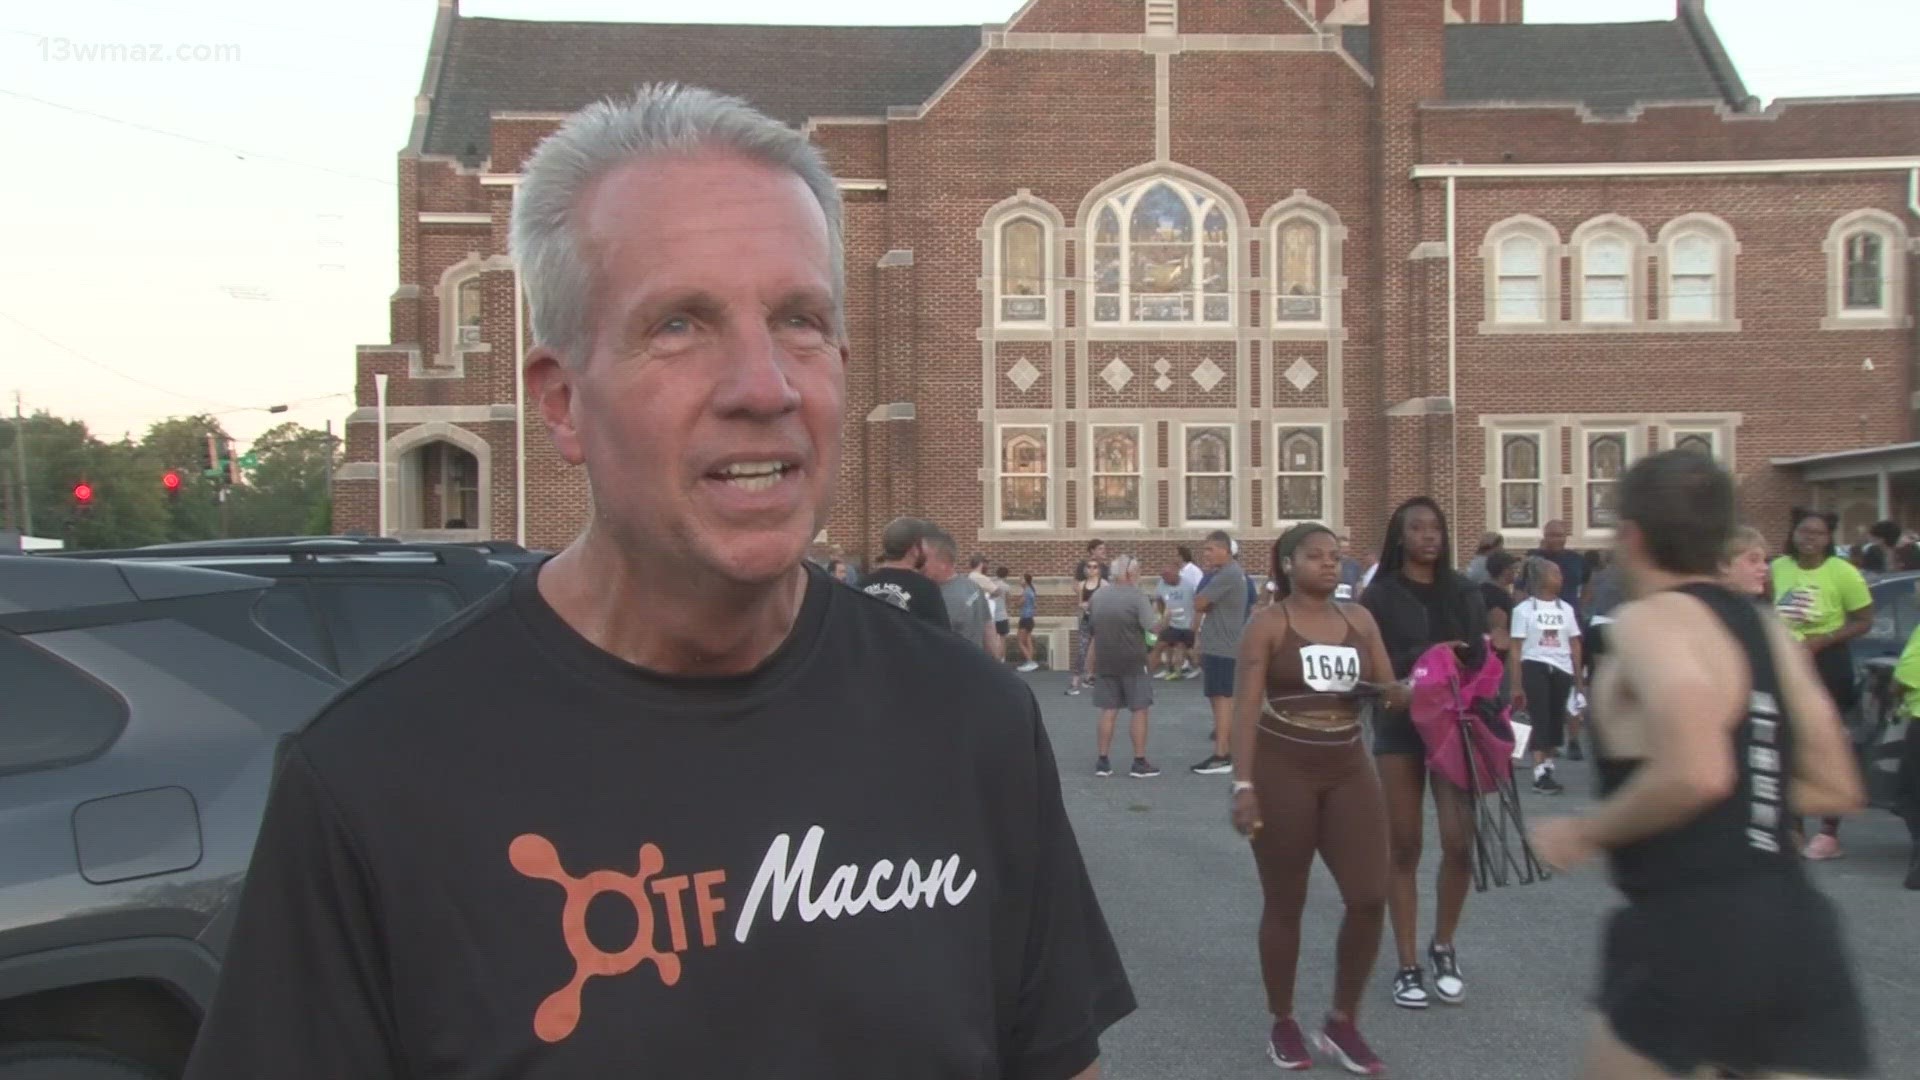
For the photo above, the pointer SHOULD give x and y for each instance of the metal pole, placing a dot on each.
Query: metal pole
(519, 415)
(20, 465)
(380, 438)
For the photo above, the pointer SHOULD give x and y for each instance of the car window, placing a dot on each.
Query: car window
(371, 620)
(1896, 609)
(55, 713)
(286, 612)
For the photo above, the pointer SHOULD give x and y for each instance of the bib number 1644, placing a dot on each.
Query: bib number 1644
(1330, 668)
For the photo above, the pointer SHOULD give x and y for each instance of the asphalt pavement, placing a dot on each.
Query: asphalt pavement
(1181, 896)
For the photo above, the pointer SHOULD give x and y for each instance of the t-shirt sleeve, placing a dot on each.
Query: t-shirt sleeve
(1216, 588)
(1148, 618)
(1853, 591)
(1907, 671)
(1522, 620)
(304, 989)
(1072, 985)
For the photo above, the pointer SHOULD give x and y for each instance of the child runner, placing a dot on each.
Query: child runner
(1544, 668)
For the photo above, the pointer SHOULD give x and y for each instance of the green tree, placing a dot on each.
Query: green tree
(127, 506)
(180, 443)
(289, 489)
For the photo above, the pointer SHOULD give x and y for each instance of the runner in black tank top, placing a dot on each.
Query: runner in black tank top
(1712, 730)
(1305, 783)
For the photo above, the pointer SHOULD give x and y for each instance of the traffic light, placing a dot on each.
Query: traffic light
(171, 481)
(83, 494)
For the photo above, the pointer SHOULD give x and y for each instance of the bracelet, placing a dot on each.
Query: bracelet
(1242, 785)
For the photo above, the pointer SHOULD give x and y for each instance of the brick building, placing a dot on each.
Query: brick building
(1137, 269)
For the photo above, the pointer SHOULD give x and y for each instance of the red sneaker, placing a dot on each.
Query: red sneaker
(1341, 1039)
(1287, 1046)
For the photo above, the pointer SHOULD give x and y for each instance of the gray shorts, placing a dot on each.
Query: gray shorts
(1133, 692)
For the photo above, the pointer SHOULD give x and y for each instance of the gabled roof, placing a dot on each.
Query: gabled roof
(1609, 67)
(789, 72)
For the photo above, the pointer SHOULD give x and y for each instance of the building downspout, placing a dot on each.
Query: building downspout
(1453, 350)
(380, 439)
(519, 413)
(1913, 301)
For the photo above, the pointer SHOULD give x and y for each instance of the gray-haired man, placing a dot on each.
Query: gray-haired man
(673, 803)
(1122, 618)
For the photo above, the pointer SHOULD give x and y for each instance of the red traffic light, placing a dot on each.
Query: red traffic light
(170, 480)
(83, 492)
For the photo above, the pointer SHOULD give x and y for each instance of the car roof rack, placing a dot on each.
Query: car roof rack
(307, 548)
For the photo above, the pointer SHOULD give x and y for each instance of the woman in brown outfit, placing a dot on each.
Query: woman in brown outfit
(1304, 781)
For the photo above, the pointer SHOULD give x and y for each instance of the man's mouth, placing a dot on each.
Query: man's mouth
(754, 475)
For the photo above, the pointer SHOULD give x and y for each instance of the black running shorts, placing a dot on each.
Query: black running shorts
(1751, 976)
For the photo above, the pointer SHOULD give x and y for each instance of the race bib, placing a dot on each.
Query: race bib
(1330, 669)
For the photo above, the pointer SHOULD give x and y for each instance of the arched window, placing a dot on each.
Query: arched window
(468, 317)
(1867, 271)
(1208, 464)
(1162, 253)
(1864, 271)
(1300, 474)
(1697, 282)
(1022, 276)
(1522, 260)
(1606, 280)
(1300, 270)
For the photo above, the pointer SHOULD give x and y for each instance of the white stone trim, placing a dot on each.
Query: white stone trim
(1053, 481)
(1145, 473)
(1894, 246)
(1493, 476)
(1633, 431)
(1725, 285)
(449, 217)
(1639, 251)
(1238, 475)
(419, 435)
(1552, 256)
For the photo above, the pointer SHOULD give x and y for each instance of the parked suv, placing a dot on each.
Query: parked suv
(141, 707)
(347, 602)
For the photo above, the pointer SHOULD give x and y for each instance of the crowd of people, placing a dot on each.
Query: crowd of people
(693, 805)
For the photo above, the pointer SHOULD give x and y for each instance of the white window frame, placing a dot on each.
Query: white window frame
(1715, 439)
(1633, 439)
(1139, 474)
(1726, 260)
(1280, 472)
(1200, 202)
(1000, 475)
(1323, 270)
(1611, 227)
(1894, 260)
(1552, 259)
(1546, 459)
(1232, 475)
(1000, 297)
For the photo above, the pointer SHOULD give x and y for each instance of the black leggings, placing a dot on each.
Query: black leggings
(1547, 690)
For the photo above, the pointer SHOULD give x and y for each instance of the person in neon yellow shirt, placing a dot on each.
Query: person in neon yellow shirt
(1825, 603)
(1906, 678)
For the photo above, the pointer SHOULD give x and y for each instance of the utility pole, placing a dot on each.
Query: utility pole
(20, 465)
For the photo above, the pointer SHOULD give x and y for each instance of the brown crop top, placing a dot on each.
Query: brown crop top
(1311, 680)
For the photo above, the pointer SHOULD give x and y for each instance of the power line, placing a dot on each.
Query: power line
(238, 152)
(109, 369)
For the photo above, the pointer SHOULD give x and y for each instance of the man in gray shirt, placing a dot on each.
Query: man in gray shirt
(1222, 604)
(969, 610)
(1122, 618)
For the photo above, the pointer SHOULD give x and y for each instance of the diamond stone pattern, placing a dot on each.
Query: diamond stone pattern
(1117, 374)
(1162, 365)
(1208, 374)
(1023, 374)
(1162, 383)
(1301, 374)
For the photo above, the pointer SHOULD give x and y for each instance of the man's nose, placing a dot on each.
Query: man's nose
(753, 380)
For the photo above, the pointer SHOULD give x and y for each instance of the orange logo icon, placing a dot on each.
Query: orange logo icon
(535, 857)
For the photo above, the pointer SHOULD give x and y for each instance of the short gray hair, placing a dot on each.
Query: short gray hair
(1123, 567)
(657, 118)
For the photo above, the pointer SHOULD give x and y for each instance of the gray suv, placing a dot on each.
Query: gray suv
(141, 708)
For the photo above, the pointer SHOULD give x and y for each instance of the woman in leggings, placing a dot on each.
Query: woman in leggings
(1418, 601)
(1304, 782)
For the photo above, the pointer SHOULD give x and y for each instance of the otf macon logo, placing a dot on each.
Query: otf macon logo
(785, 879)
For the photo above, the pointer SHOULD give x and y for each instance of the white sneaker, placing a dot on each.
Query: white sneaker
(1029, 666)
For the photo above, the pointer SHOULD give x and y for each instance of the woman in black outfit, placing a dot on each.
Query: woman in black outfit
(1419, 602)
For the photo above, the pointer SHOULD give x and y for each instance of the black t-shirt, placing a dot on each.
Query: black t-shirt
(1497, 597)
(512, 855)
(910, 591)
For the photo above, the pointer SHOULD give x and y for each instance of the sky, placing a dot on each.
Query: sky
(215, 230)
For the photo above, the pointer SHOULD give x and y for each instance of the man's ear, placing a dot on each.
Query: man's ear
(549, 384)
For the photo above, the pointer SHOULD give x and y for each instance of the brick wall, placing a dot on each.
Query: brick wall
(1259, 127)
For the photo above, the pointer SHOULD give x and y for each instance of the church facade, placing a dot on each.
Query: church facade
(1140, 269)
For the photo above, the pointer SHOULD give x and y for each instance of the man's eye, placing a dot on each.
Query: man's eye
(677, 324)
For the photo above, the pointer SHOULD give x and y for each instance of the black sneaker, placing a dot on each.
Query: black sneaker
(1143, 769)
(1545, 784)
(1574, 753)
(1215, 765)
(1103, 767)
(1410, 989)
(1446, 974)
